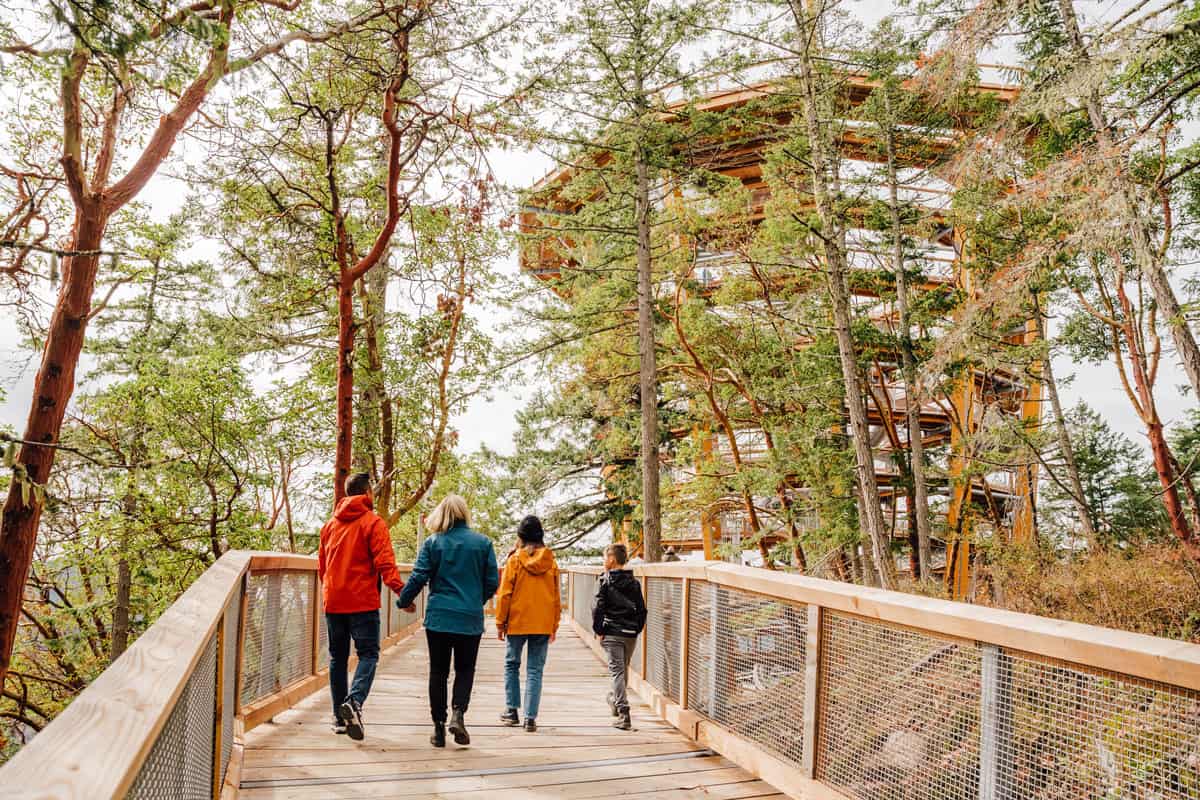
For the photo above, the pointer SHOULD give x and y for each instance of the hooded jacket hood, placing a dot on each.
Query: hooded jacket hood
(537, 563)
(352, 507)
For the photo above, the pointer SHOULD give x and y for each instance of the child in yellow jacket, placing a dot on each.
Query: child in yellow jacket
(528, 607)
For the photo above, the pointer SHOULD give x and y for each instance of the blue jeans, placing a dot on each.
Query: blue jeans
(539, 645)
(363, 628)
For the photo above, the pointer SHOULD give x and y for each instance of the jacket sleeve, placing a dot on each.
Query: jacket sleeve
(504, 597)
(420, 575)
(491, 575)
(380, 543)
(557, 597)
(639, 607)
(598, 609)
(321, 556)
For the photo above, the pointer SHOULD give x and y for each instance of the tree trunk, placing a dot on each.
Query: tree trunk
(52, 390)
(120, 625)
(648, 369)
(832, 236)
(1137, 225)
(1078, 496)
(345, 385)
(919, 497)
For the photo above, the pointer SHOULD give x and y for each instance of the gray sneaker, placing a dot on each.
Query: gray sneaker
(623, 723)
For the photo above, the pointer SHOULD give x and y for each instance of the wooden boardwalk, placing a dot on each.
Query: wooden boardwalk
(575, 753)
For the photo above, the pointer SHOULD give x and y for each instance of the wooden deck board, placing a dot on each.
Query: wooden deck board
(574, 755)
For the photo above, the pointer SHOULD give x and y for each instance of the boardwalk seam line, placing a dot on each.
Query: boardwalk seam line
(471, 773)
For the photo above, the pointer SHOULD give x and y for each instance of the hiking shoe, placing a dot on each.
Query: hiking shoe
(351, 714)
(438, 739)
(612, 704)
(623, 723)
(531, 725)
(509, 718)
(458, 727)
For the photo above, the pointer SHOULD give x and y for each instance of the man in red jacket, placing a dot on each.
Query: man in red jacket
(354, 556)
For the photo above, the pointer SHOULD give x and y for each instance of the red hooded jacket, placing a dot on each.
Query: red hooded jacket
(355, 554)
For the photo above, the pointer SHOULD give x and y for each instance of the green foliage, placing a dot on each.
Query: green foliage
(1119, 486)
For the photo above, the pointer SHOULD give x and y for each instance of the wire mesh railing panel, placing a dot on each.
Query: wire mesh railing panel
(403, 619)
(322, 632)
(257, 644)
(277, 644)
(295, 629)
(229, 677)
(664, 627)
(1063, 731)
(180, 764)
(391, 615)
(899, 714)
(746, 665)
(584, 596)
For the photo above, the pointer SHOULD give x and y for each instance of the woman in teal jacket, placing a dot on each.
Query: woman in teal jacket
(460, 567)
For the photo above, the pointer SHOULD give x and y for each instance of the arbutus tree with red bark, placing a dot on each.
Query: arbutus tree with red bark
(125, 72)
(326, 184)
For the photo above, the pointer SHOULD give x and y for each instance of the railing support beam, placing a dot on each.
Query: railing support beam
(995, 724)
(812, 690)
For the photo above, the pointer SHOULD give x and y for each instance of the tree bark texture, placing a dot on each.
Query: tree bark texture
(832, 238)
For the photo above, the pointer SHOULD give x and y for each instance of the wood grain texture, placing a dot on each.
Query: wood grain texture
(95, 746)
(297, 755)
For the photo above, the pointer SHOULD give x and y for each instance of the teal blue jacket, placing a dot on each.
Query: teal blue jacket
(460, 568)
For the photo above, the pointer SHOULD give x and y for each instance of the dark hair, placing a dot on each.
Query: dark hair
(618, 552)
(358, 483)
(530, 530)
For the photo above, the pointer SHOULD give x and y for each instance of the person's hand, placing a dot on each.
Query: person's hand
(602, 637)
(500, 633)
(412, 608)
(553, 636)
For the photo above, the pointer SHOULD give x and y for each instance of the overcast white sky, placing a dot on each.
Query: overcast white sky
(491, 422)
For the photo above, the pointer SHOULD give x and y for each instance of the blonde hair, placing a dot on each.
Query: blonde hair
(451, 510)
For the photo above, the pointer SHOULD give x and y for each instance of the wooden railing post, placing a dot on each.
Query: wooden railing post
(318, 620)
(995, 722)
(243, 584)
(218, 709)
(812, 691)
(571, 595)
(685, 604)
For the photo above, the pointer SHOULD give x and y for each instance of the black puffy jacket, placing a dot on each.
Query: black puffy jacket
(619, 609)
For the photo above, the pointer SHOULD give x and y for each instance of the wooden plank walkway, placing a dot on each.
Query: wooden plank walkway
(574, 754)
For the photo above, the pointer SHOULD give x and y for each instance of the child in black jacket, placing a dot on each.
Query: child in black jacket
(618, 617)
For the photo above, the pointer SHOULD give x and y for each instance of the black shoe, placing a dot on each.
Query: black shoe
(459, 728)
(439, 735)
(509, 718)
(351, 714)
(338, 726)
(623, 723)
(612, 704)
(531, 725)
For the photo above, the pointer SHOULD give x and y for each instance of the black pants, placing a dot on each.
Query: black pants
(465, 649)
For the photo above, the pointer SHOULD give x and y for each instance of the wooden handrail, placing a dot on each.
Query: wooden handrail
(96, 747)
(1150, 657)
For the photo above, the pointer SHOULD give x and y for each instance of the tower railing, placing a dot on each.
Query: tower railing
(830, 690)
(165, 720)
